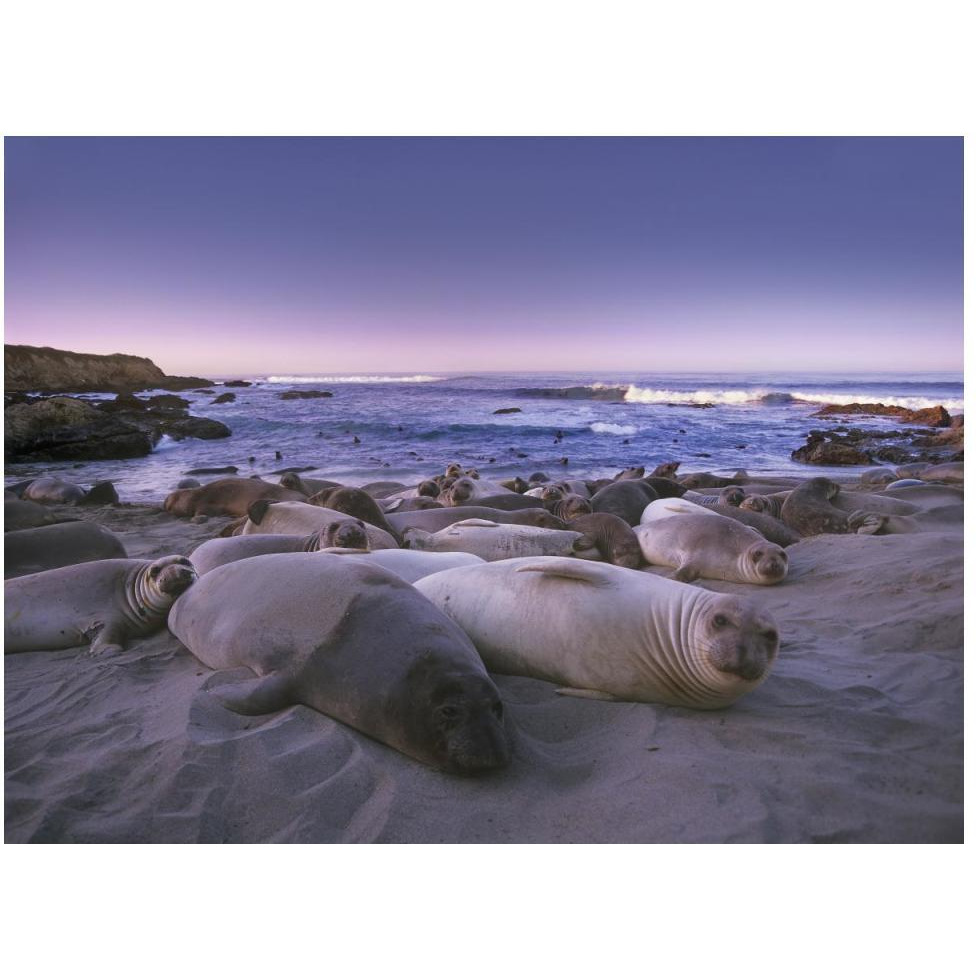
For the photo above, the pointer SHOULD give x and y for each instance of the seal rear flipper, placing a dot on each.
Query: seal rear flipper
(567, 570)
(866, 523)
(257, 696)
(587, 693)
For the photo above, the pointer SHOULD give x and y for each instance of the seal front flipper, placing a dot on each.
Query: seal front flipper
(686, 573)
(866, 523)
(105, 639)
(587, 693)
(257, 696)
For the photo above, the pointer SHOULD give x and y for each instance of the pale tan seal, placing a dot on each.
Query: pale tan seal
(709, 545)
(608, 632)
(226, 496)
(354, 642)
(493, 540)
(107, 603)
(300, 518)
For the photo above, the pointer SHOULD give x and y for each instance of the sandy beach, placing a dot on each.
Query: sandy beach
(856, 736)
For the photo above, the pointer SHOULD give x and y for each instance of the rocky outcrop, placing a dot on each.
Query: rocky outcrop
(65, 429)
(45, 370)
(854, 446)
(225, 398)
(508, 410)
(926, 417)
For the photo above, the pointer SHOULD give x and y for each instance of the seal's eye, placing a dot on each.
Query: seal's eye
(720, 620)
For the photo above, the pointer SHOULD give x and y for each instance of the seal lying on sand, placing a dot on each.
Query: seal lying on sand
(217, 552)
(107, 602)
(56, 491)
(608, 632)
(625, 499)
(809, 511)
(703, 545)
(300, 518)
(50, 546)
(352, 641)
(492, 540)
(226, 496)
(434, 521)
(771, 529)
(354, 502)
(731, 496)
(306, 486)
(18, 514)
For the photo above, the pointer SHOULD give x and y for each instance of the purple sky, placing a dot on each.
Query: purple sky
(220, 256)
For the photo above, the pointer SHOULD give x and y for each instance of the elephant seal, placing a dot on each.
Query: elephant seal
(226, 496)
(614, 538)
(570, 507)
(765, 504)
(354, 642)
(410, 564)
(665, 487)
(705, 479)
(300, 518)
(731, 496)
(713, 547)
(50, 546)
(107, 602)
(434, 521)
(509, 503)
(952, 471)
(771, 529)
(878, 476)
(380, 489)
(53, 491)
(625, 499)
(629, 474)
(306, 486)
(354, 502)
(666, 470)
(217, 552)
(188, 483)
(465, 490)
(516, 484)
(809, 510)
(19, 514)
(493, 540)
(607, 632)
(419, 504)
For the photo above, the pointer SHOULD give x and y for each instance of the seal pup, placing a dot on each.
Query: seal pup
(714, 547)
(626, 499)
(354, 502)
(306, 486)
(300, 518)
(511, 502)
(731, 496)
(616, 540)
(226, 496)
(465, 490)
(20, 514)
(53, 491)
(217, 552)
(607, 632)
(107, 602)
(28, 551)
(354, 642)
(493, 540)
(570, 507)
(952, 472)
(809, 510)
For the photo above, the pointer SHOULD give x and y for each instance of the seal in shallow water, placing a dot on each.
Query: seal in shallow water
(354, 642)
(609, 632)
(107, 602)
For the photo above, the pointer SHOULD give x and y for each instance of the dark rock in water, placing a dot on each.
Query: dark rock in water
(67, 429)
(236, 383)
(305, 395)
(894, 455)
(46, 370)
(508, 410)
(225, 398)
(167, 401)
(307, 467)
(819, 451)
(228, 469)
(101, 493)
(701, 455)
(201, 427)
(122, 403)
(210, 392)
(928, 416)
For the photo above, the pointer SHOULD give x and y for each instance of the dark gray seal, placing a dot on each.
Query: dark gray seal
(616, 540)
(808, 511)
(354, 642)
(625, 499)
(441, 518)
(50, 546)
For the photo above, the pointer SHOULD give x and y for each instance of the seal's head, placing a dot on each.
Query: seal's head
(738, 638)
(458, 720)
(732, 495)
(428, 489)
(453, 471)
(765, 563)
(823, 487)
(757, 503)
(571, 507)
(552, 494)
(172, 574)
(292, 482)
(179, 502)
(538, 517)
(538, 478)
(462, 491)
(345, 534)
(667, 470)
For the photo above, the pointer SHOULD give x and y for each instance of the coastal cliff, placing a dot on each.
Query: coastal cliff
(44, 370)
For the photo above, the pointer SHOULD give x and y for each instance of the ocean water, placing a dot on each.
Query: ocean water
(410, 426)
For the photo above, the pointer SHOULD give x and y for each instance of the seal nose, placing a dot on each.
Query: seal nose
(748, 664)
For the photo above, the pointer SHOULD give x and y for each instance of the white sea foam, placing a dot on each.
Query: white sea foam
(165, 443)
(418, 378)
(641, 394)
(622, 429)
(912, 403)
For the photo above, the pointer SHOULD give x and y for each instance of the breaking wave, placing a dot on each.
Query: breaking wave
(621, 429)
(640, 394)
